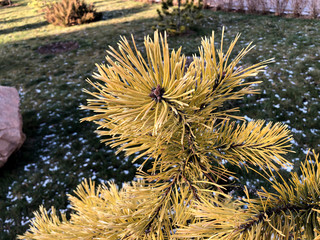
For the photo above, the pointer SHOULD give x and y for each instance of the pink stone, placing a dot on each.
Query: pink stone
(11, 135)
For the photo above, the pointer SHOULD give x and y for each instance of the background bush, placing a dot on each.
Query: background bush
(252, 5)
(314, 6)
(71, 12)
(298, 6)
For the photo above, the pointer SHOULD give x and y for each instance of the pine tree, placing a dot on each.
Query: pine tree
(179, 19)
(171, 116)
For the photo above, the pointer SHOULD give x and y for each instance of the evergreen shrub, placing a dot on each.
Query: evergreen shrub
(180, 17)
(170, 115)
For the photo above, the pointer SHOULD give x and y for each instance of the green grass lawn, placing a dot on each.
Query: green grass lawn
(60, 152)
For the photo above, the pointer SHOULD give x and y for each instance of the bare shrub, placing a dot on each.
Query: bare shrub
(219, 4)
(314, 8)
(240, 5)
(279, 6)
(298, 6)
(229, 5)
(71, 12)
(263, 6)
(205, 4)
(252, 5)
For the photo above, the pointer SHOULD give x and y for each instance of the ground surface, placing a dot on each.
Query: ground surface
(60, 152)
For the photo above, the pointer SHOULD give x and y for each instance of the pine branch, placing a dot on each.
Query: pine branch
(278, 210)
(253, 143)
(193, 189)
(157, 210)
(171, 116)
(293, 211)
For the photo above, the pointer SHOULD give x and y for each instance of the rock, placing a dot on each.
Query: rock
(11, 135)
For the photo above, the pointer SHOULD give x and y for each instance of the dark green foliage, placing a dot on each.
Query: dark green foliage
(179, 18)
(71, 12)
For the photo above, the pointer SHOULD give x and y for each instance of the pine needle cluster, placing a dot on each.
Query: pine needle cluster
(171, 115)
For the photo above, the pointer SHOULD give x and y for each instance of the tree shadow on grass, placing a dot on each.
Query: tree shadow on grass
(17, 19)
(106, 15)
(124, 12)
(23, 28)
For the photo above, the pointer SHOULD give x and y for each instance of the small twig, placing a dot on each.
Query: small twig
(156, 212)
(275, 210)
(209, 176)
(193, 189)
(258, 145)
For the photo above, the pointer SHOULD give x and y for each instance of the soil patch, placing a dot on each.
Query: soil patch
(58, 47)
